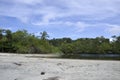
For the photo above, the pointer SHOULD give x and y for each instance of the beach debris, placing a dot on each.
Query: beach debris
(42, 73)
(52, 78)
(16, 79)
(59, 64)
(18, 64)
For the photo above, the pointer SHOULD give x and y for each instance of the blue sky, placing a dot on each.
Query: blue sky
(62, 18)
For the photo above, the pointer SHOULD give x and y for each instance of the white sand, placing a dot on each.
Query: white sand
(19, 67)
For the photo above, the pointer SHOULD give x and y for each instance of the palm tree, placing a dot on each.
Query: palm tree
(44, 35)
(8, 35)
(2, 31)
(1, 35)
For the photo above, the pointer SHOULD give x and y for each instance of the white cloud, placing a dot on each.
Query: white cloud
(114, 29)
(10, 28)
(92, 9)
(78, 26)
(48, 13)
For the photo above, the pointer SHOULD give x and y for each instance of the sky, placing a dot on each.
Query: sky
(62, 18)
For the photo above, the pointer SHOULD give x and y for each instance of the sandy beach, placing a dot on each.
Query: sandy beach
(27, 67)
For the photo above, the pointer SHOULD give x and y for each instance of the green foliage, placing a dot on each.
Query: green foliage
(67, 48)
(59, 42)
(116, 44)
(23, 42)
(91, 45)
(44, 35)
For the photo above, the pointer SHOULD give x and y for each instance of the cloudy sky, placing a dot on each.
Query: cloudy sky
(62, 18)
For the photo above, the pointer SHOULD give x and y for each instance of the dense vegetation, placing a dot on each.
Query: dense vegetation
(23, 42)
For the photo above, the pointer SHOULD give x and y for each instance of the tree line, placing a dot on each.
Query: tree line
(23, 42)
